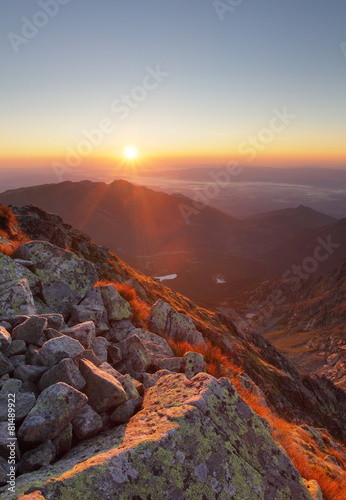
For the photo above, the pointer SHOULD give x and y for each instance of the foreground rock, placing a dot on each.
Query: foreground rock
(65, 279)
(192, 439)
(55, 408)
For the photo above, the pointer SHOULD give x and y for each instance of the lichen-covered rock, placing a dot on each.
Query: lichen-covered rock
(24, 401)
(171, 364)
(114, 354)
(120, 330)
(5, 339)
(41, 456)
(194, 363)
(5, 365)
(135, 356)
(99, 348)
(12, 271)
(117, 308)
(66, 371)
(65, 279)
(104, 391)
(85, 333)
(165, 320)
(89, 355)
(87, 423)
(156, 345)
(53, 351)
(91, 309)
(54, 320)
(31, 331)
(56, 406)
(16, 298)
(150, 379)
(192, 439)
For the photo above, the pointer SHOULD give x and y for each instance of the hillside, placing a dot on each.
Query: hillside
(147, 329)
(214, 256)
(306, 322)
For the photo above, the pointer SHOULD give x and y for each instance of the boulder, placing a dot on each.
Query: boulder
(17, 360)
(117, 308)
(54, 320)
(104, 391)
(23, 401)
(12, 271)
(5, 339)
(192, 439)
(87, 423)
(16, 298)
(53, 351)
(171, 364)
(125, 411)
(166, 320)
(89, 355)
(56, 406)
(29, 373)
(135, 356)
(65, 279)
(120, 330)
(41, 456)
(66, 371)
(31, 331)
(194, 363)
(63, 441)
(150, 379)
(114, 354)
(5, 365)
(84, 333)
(16, 347)
(91, 309)
(99, 348)
(156, 345)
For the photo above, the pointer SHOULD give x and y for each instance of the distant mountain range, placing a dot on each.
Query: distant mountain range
(215, 256)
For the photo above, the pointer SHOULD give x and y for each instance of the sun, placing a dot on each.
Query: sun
(131, 153)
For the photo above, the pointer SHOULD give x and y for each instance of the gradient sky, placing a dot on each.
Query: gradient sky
(225, 78)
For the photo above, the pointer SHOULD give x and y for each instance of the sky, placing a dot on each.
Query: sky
(183, 82)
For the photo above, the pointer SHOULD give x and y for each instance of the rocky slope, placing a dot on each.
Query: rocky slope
(305, 319)
(114, 398)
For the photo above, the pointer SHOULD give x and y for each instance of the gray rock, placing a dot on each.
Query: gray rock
(114, 354)
(150, 379)
(104, 391)
(5, 339)
(165, 320)
(120, 330)
(91, 309)
(63, 441)
(129, 386)
(65, 371)
(171, 364)
(5, 365)
(87, 423)
(23, 401)
(135, 356)
(117, 308)
(125, 411)
(41, 456)
(6, 325)
(29, 373)
(65, 279)
(194, 363)
(16, 347)
(50, 334)
(56, 406)
(54, 320)
(57, 349)
(84, 333)
(12, 271)
(17, 360)
(16, 298)
(99, 348)
(31, 331)
(3, 379)
(90, 356)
